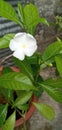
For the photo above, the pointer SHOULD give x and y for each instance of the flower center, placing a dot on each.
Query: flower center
(24, 46)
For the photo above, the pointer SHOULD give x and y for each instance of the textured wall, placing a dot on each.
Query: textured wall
(49, 8)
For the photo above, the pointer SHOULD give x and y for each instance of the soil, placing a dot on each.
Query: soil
(46, 35)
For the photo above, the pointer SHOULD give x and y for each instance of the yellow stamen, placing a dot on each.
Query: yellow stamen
(24, 46)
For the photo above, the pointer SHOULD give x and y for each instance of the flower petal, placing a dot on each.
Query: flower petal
(23, 44)
(19, 54)
(18, 34)
(20, 37)
(30, 51)
(12, 45)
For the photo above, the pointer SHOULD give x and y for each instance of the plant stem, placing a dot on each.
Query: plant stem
(7, 57)
(24, 125)
(19, 112)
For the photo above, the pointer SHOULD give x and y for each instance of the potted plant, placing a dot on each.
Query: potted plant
(18, 87)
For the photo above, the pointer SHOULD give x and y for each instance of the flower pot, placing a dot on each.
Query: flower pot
(31, 108)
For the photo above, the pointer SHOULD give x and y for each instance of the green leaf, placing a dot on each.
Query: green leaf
(58, 60)
(7, 93)
(4, 41)
(3, 113)
(44, 21)
(25, 67)
(32, 59)
(52, 50)
(55, 93)
(57, 83)
(7, 11)
(31, 18)
(46, 110)
(24, 107)
(20, 11)
(22, 99)
(6, 70)
(10, 122)
(16, 81)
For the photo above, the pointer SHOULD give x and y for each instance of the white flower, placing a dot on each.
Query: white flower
(23, 44)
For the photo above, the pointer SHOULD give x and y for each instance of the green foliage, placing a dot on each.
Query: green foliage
(45, 110)
(32, 18)
(20, 12)
(58, 60)
(54, 92)
(52, 50)
(58, 22)
(24, 67)
(22, 99)
(6, 70)
(29, 15)
(7, 93)
(57, 83)
(10, 123)
(7, 11)
(17, 88)
(3, 114)
(4, 41)
(16, 81)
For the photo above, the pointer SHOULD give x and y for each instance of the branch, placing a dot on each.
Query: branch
(7, 57)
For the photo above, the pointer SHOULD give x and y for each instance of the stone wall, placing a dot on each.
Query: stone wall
(49, 8)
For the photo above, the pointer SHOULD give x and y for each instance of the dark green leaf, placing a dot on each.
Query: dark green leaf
(4, 41)
(46, 110)
(7, 93)
(10, 122)
(16, 81)
(24, 67)
(32, 59)
(3, 113)
(39, 91)
(6, 70)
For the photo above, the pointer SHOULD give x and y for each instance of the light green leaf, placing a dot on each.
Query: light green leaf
(57, 83)
(55, 93)
(3, 113)
(43, 20)
(7, 11)
(4, 41)
(22, 99)
(32, 18)
(45, 110)
(10, 122)
(16, 81)
(20, 11)
(52, 50)
(24, 107)
(58, 60)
